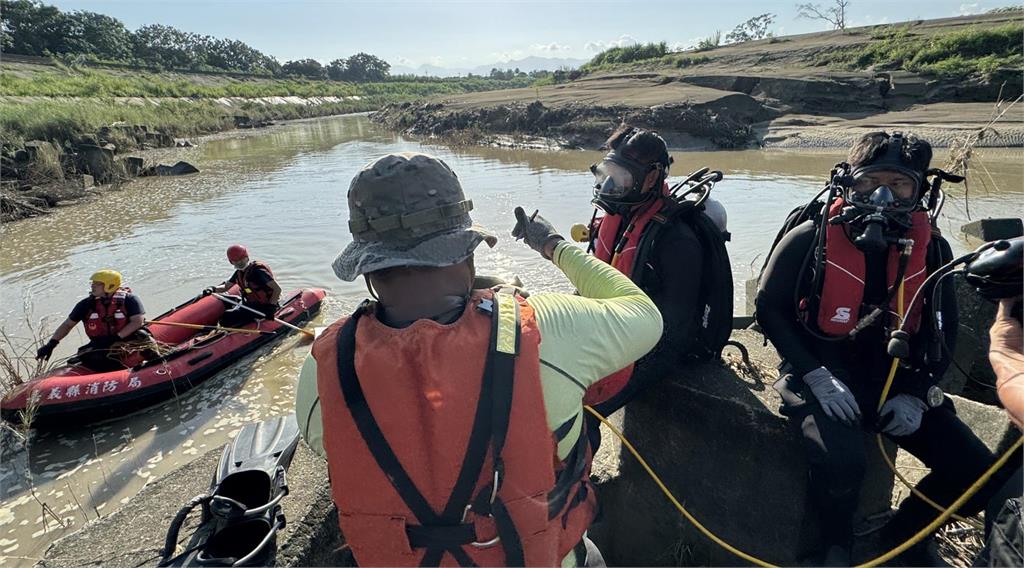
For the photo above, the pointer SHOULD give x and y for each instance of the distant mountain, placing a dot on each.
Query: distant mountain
(527, 64)
(531, 63)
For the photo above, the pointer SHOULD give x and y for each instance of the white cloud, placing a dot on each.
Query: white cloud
(553, 47)
(404, 61)
(623, 41)
(968, 9)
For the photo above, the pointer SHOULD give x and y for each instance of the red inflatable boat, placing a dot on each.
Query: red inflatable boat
(74, 395)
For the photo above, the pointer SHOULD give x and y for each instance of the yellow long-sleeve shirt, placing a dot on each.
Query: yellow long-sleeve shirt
(583, 339)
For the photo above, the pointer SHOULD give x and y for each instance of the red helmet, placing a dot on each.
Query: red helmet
(236, 253)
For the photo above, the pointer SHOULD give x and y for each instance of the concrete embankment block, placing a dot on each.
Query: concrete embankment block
(134, 535)
(718, 442)
(994, 229)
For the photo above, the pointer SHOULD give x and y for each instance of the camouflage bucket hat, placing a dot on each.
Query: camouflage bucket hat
(407, 209)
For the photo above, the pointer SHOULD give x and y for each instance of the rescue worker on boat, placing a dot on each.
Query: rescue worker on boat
(113, 318)
(452, 418)
(672, 248)
(822, 284)
(259, 291)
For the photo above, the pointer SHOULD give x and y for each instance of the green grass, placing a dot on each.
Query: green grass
(83, 82)
(69, 101)
(627, 54)
(67, 119)
(952, 55)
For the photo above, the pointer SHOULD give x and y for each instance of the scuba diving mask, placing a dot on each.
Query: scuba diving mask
(619, 181)
(905, 184)
(619, 177)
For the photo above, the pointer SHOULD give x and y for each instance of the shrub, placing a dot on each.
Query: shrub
(627, 54)
(957, 54)
(710, 42)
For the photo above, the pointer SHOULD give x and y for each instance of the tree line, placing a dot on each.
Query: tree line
(28, 27)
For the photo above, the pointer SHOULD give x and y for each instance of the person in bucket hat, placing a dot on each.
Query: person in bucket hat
(407, 210)
(433, 404)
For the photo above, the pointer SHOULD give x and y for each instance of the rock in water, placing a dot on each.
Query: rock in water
(179, 169)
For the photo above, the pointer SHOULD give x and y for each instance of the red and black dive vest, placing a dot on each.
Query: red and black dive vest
(437, 441)
(618, 247)
(252, 292)
(108, 316)
(842, 295)
(628, 248)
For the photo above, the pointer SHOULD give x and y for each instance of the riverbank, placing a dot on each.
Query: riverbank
(809, 91)
(42, 175)
(86, 120)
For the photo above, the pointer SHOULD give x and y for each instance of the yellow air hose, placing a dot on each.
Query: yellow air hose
(881, 443)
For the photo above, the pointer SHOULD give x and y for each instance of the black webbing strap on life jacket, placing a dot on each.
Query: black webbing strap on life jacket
(447, 532)
(570, 475)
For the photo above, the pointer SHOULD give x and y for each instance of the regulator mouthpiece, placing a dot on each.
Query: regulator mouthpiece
(873, 237)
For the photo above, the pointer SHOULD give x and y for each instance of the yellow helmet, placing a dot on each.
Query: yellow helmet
(111, 279)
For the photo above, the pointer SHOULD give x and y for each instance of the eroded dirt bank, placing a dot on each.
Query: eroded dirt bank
(769, 93)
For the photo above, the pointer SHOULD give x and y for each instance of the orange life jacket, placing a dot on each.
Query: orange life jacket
(252, 292)
(108, 316)
(437, 441)
(842, 293)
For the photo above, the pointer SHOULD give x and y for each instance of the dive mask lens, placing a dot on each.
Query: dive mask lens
(902, 186)
(611, 179)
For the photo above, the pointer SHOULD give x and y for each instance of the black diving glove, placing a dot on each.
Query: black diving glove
(270, 311)
(44, 352)
(901, 415)
(835, 397)
(207, 291)
(535, 231)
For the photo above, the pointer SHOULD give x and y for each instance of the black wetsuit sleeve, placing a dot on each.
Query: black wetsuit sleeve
(236, 276)
(133, 306)
(776, 312)
(81, 310)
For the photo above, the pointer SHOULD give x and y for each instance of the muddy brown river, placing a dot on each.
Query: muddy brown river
(281, 192)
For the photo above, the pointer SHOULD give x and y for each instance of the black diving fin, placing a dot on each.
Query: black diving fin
(242, 511)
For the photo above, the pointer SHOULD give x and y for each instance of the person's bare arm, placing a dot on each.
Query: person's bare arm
(63, 329)
(135, 323)
(1006, 354)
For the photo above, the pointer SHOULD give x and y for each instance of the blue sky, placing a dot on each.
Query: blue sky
(466, 33)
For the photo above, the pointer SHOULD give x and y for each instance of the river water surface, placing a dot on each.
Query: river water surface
(281, 192)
